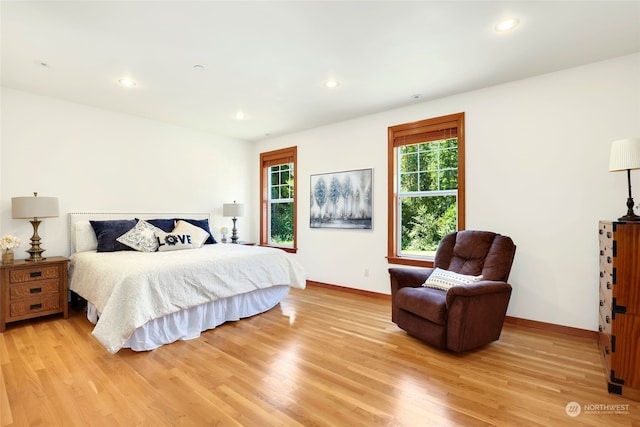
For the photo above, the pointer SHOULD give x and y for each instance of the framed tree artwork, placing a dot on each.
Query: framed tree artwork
(342, 199)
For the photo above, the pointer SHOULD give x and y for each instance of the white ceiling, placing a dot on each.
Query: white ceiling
(270, 59)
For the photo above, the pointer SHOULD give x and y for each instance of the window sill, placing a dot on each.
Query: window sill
(284, 248)
(410, 261)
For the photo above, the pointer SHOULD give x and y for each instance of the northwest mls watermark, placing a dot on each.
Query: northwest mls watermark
(574, 409)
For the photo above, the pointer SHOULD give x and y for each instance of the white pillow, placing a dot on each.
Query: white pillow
(173, 241)
(198, 235)
(142, 237)
(84, 238)
(445, 279)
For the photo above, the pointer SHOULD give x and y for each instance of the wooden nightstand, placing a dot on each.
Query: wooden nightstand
(620, 306)
(33, 289)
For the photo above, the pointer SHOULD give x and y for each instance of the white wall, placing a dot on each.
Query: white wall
(100, 161)
(537, 170)
(537, 158)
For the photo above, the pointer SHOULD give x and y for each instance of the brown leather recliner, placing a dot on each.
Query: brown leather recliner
(464, 317)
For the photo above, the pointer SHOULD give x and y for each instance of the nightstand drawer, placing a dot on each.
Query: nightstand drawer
(50, 302)
(41, 272)
(33, 289)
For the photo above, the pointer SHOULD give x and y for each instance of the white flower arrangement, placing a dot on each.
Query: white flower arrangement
(224, 231)
(9, 242)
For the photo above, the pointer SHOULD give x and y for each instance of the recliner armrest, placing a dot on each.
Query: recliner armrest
(413, 277)
(405, 277)
(482, 287)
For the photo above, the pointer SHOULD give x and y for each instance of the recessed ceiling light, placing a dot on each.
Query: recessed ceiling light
(198, 67)
(507, 25)
(331, 83)
(127, 82)
(240, 115)
(416, 96)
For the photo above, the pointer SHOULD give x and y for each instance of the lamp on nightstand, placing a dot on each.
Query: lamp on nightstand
(625, 155)
(34, 207)
(233, 210)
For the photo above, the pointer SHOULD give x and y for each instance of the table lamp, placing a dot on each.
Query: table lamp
(34, 207)
(625, 155)
(234, 210)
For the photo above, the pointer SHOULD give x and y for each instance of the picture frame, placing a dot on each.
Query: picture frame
(342, 200)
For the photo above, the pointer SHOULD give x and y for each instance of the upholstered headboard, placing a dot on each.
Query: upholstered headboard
(80, 233)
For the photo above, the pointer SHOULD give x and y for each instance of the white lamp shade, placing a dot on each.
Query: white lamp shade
(233, 209)
(625, 154)
(34, 207)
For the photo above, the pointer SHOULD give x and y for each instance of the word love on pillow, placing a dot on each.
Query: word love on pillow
(173, 241)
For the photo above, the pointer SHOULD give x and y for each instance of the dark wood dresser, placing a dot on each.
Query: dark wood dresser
(619, 323)
(33, 289)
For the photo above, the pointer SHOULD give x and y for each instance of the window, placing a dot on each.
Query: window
(426, 187)
(278, 210)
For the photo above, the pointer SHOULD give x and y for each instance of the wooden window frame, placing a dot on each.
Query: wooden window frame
(413, 133)
(268, 159)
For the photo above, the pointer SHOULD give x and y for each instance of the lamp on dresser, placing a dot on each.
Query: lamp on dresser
(34, 208)
(625, 155)
(233, 210)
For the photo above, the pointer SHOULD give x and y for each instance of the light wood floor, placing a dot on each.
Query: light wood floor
(321, 358)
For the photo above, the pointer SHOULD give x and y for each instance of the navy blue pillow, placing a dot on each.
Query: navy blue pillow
(202, 223)
(108, 231)
(166, 225)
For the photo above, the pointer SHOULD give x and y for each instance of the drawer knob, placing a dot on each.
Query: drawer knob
(35, 274)
(608, 234)
(606, 349)
(600, 328)
(607, 319)
(601, 303)
(608, 285)
(35, 306)
(38, 290)
(608, 260)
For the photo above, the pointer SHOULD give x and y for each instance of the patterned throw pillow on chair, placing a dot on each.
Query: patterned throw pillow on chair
(445, 279)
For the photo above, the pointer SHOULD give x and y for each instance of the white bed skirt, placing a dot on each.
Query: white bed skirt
(188, 324)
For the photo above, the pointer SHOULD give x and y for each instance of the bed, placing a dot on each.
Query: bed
(143, 298)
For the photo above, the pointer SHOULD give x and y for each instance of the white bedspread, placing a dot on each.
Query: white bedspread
(131, 288)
